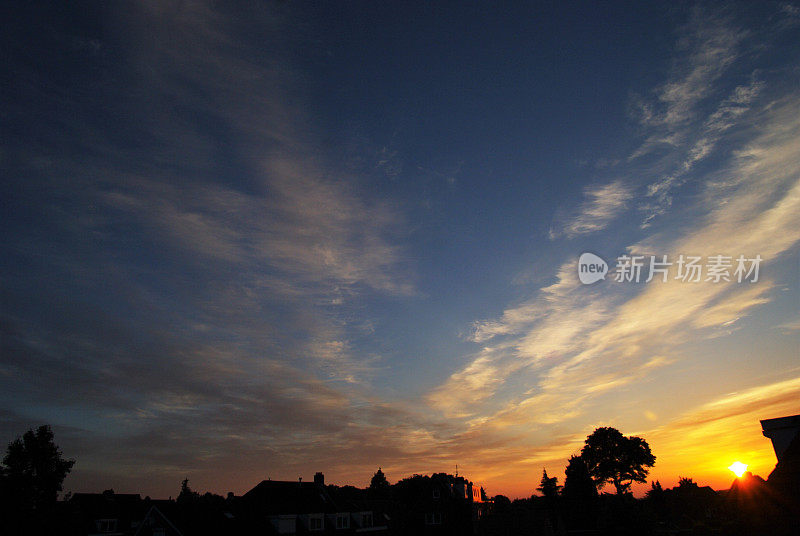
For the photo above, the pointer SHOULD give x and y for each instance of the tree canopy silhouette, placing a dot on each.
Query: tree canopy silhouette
(613, 457)
(580, 496)
(31, 476)
(656, 491)
(578, 484)
(379, 481)
(549, 486)
(187, 495)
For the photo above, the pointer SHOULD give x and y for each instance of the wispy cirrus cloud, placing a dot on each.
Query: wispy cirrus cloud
(686, 116)
(790, 325)
(705, 140)
(307, 229)
(709, 47)
(571, 345)
(682, 121)
(193, 270)
(223, 258)
(603, 204)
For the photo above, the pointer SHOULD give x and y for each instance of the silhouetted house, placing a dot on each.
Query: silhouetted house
(280, 507)
(439, 504)
(201, 515)
(782, 432)
(688, 505)
(117, 514)
(772, 506)
(155, 523)
(785, 435)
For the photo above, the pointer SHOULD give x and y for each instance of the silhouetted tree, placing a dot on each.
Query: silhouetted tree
(578, 484)
(656, 490)
(687, 505)
(186, 494)
(612, 457)
(656, 499)
(580, 494)
(549, 489)
(549, 486)
(501, 503)
(31, 476)
(379, 482)
(199, 513)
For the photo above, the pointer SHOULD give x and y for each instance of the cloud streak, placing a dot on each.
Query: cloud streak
(571, 346)
(603, 204)
(223, 260)
(195, 279)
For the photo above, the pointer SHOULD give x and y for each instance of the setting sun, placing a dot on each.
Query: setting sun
(738, 468)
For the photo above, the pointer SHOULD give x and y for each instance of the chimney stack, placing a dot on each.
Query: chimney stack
(319, 479)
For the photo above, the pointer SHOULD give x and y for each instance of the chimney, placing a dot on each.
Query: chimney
(319, 479)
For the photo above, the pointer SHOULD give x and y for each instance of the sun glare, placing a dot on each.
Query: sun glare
(738, 468)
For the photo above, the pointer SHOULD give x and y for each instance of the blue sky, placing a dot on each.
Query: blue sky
(244, 242)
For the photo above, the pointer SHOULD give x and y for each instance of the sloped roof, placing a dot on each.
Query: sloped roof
(88, 507)
(155, 516)
(109, 505)
(274, 497)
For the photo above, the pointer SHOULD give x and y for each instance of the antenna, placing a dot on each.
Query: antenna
(456, 469)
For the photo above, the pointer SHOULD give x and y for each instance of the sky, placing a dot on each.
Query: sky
(252, 241)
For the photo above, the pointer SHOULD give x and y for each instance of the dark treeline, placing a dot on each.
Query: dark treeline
(595, 498)
(751, 505)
